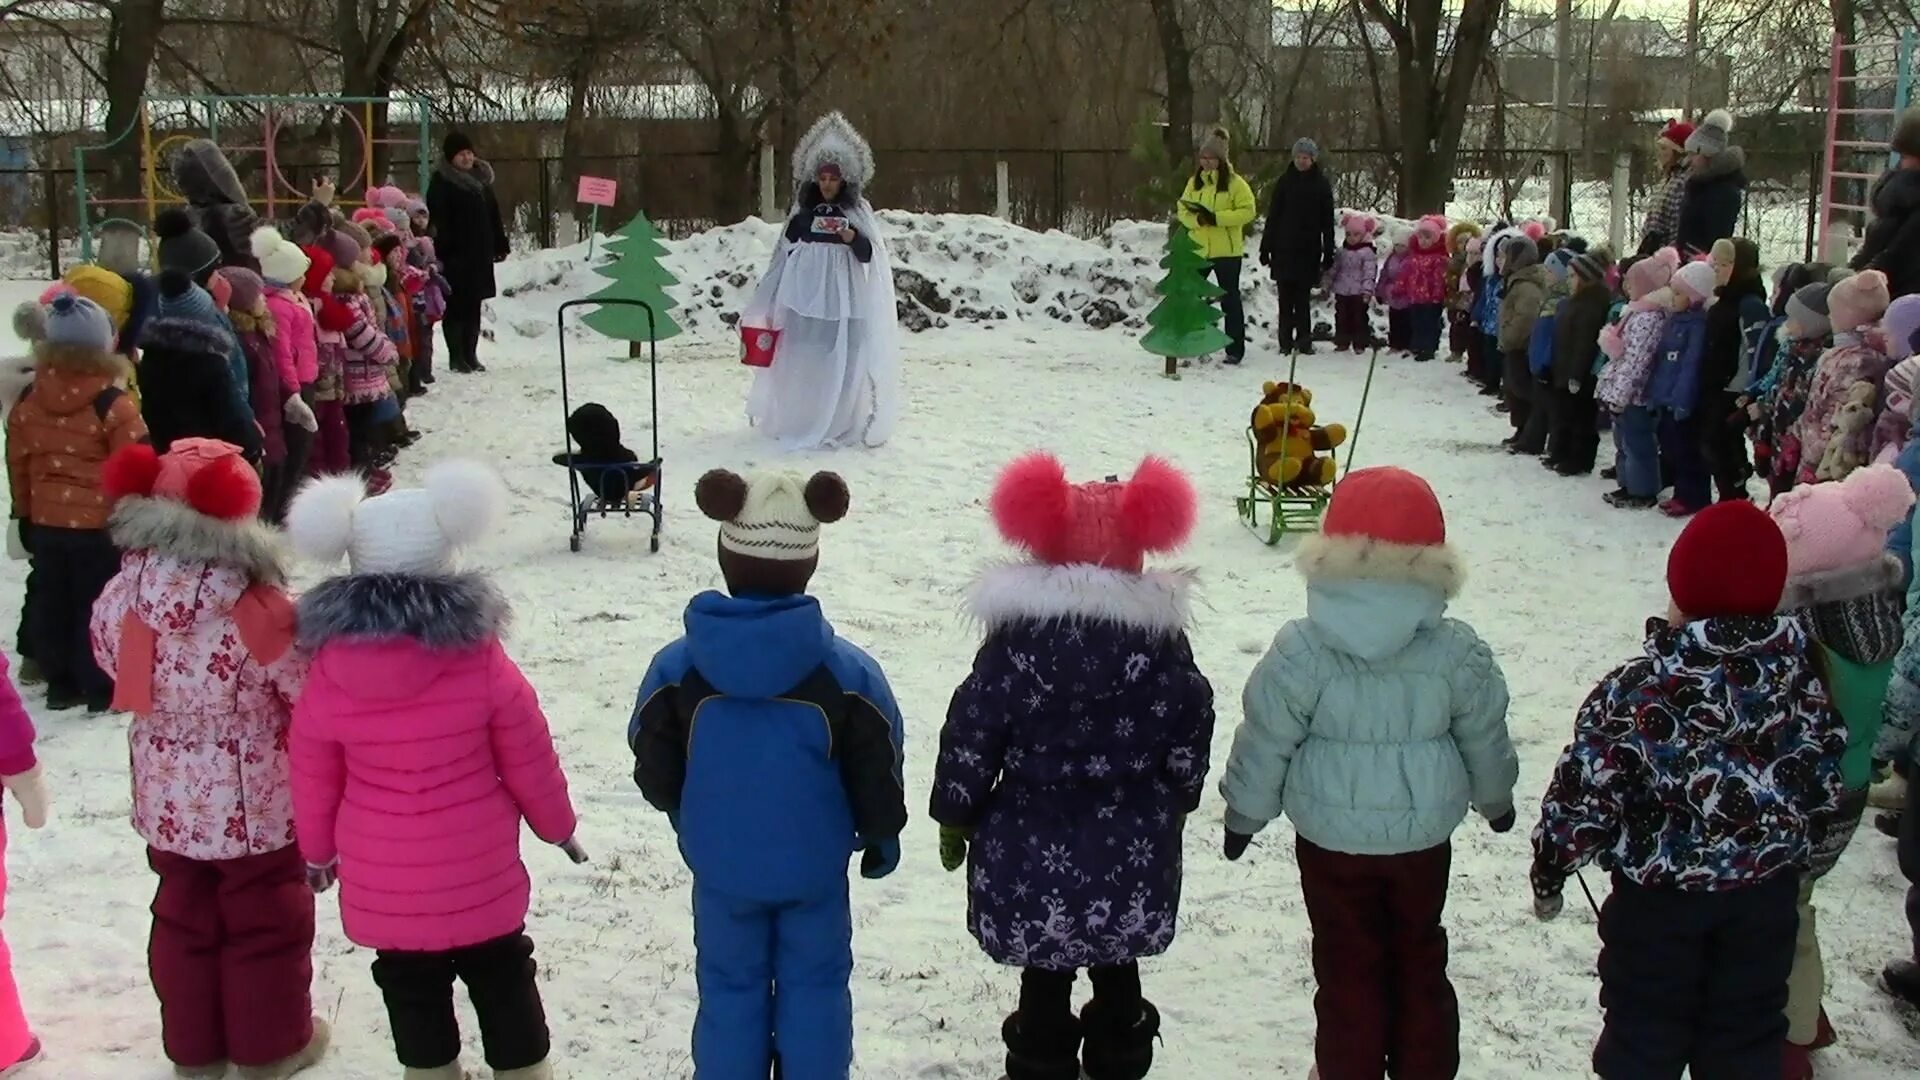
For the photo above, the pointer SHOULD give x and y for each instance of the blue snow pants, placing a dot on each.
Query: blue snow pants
(1637, 451)
(773, 976)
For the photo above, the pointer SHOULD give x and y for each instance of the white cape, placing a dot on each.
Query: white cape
(835, 377)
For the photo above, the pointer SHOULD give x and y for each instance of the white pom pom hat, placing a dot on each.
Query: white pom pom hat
(411, 531)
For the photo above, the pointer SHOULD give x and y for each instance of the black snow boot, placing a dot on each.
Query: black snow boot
(1119, 1047)
(1042, 1051)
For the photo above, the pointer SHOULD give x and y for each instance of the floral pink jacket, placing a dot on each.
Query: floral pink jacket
(211, 776)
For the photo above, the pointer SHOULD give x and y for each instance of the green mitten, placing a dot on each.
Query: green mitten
(953, 846)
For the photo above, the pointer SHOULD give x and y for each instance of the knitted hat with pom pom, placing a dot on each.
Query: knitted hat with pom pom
(1383, 524)
(407, 531)
(770, 526)
(1729, 561)
(1109, 523)
(74, 321)
(1651, 273)
(281, 261)
(1694, 281)
(1714, 134)
(183, 246)
(1838, 527)
(1858, 302)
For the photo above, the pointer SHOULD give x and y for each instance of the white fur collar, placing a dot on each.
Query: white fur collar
(1157, 600)
(1321, 557)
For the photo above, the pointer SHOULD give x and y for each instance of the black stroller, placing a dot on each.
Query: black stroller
(623, 488)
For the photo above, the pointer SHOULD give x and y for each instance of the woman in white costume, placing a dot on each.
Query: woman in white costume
(835, 376)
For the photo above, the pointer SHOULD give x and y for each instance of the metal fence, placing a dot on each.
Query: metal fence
(1080, 191)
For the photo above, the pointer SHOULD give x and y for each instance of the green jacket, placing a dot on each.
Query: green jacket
(1372, 723)
(1859, 692)
(1232, 209)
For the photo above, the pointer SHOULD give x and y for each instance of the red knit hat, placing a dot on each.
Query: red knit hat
(1386, 503)
(1676, 132)
(1731, 559)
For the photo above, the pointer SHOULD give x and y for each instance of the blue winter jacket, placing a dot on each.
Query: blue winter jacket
(1675, 385)
(1540, 345)
(774, 745)
(1373, 723)
(1488, 314)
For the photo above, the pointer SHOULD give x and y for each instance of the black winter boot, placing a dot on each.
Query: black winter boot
(1043, 1052)
(1118, 1047)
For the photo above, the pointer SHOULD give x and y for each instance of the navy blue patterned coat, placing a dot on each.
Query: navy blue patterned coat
(1074, 751)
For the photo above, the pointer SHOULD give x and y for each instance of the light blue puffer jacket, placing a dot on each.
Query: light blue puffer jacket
(1372, 723)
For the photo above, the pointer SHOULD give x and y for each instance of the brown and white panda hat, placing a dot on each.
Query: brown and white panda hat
(770, 526)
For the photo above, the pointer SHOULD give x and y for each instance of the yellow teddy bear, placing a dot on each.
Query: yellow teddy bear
(1293, 450)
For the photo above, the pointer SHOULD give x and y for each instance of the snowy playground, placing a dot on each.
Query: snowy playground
(1028, 344)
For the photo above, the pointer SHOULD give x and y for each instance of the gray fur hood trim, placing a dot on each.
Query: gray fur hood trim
(142, 523)
(457, 611)
(474, 179)
(1846, 583)
(181, 335)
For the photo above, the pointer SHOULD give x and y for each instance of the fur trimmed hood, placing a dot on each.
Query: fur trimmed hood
(475, 179)
(143, 523)
(188, 336)
(1158, 600)
(457, 611)
(81, 360)
(1881, 575)
(1345, 558)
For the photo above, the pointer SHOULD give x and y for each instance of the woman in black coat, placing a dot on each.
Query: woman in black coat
(1297, 242)
(1716, 186)
(470, 239)
(1892, 243)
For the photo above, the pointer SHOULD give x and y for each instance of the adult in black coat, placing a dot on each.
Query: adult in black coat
(1892, 244)
(1716, 186)
(470, 239)
(1297, 242)
(186, 387)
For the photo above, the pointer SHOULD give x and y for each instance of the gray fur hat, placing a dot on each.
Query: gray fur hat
(1217, 144)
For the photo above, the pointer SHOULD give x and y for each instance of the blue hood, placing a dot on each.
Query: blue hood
(1372, 620)
(756, 647)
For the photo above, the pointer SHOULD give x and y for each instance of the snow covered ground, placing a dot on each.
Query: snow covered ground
(1561, 586)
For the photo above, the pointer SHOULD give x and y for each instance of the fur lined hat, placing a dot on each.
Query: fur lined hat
(1383, 524)
(407, 531)
(1107, 523)
(1460, 234)
(770, 522)
(1218, 143)
(1713, 136)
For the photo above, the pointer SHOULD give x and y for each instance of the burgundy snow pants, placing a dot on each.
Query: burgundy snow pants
(1384, 1007)
(231, 957)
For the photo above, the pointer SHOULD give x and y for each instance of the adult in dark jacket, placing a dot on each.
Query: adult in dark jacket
(1892, 244)
(1741, 307)
(470, 238)
(1716, 186)
(1576, 348)
(216, 202)
(1297, 242)
(186, 387)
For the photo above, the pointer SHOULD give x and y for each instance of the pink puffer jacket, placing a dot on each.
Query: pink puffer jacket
(210, 771)
(296, 341)
(418, 747)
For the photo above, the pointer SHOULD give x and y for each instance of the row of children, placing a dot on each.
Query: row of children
(302, 360)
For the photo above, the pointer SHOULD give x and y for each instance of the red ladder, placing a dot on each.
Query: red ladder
(1876, 70)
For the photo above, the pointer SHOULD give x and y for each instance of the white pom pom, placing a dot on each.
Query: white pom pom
(320, 521)
(468, 498)
(264, 240)
(1719, 118)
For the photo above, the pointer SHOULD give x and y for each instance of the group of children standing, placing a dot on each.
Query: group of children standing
(1411, 284)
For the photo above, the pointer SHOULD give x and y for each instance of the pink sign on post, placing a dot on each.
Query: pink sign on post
(596, 191)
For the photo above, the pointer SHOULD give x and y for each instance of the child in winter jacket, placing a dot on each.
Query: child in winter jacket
(296, 359)
(332, 452)
(1532, 439)
(198, 632)
(1390, 292)
(1525, 283)
(1375, 723)
(1423, 284)
(1462, 253)
(794, 767)
(1486, 311)
(1780, 397)
(1701, 775)
(1738, 310)
(418, 749)
(1675, 391)
(20, 775)
(1575, 438)
(1355, 274)
(366, 357)
(1857, 359)
(1845, 589)
(429, 304)
(1898, 330)
(188, 362)
(271, 387)
(1082, 630)
(1632, 349)
(58, 437)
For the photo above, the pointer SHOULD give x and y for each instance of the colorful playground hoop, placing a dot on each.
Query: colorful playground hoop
(276, 111)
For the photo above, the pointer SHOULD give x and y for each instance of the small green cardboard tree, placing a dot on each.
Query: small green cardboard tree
(637, 275)
(1184, 322)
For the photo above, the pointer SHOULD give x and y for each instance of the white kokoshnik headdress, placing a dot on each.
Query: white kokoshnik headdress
(833, 140)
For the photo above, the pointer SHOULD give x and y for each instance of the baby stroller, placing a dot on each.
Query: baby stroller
(611, 488)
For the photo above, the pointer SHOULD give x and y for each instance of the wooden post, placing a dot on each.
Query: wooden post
(1617, 204)
(1003, 195)
(769, 199)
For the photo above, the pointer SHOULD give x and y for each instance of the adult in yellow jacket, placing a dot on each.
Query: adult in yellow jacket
(1216, 208)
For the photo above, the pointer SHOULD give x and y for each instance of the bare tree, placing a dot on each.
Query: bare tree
(1435, 85)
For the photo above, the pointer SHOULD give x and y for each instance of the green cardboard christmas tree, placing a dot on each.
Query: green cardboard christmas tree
(1185, 323)
(637, 275)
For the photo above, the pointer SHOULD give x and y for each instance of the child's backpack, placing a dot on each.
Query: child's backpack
(1540, 345)
(1762, 348)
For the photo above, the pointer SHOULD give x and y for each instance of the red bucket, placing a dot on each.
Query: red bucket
(759, 344)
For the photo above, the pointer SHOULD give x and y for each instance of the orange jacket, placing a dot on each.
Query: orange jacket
(58, 437)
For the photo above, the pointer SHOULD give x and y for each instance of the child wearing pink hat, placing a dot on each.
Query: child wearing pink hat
(1067, 825)
(1675, 390)
(1856, 306)
(1375, 723)
(1846, 590)
(1898, 330)
(1701, 774)
(1632, 347)
(1356, 270)
(197, 630)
